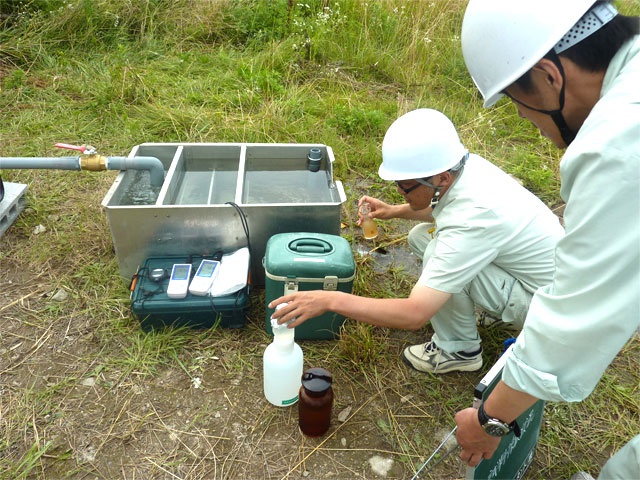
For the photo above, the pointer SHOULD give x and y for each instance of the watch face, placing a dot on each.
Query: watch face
(496, 429)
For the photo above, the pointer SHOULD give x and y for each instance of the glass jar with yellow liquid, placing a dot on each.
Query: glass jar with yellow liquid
(369, 227)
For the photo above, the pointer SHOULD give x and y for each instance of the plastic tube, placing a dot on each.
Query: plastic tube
(52, 163)
(155, 167)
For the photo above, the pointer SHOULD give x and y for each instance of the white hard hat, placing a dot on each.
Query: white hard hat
(420, 144)
(503, 39)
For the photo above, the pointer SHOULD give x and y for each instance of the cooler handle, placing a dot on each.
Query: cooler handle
(310, 245)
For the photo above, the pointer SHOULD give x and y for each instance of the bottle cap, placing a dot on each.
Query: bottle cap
(274, 321)
(316, 380)
(275, 324)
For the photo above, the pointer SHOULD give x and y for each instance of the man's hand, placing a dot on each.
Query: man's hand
(301, 306)
(507, 403)
(379, 209)
(475, 443)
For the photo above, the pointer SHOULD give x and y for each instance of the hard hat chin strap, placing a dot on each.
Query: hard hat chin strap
(567, 134)
(436, 194)
(456, 169)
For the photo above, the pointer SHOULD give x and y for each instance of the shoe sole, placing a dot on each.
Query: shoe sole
(453, 368)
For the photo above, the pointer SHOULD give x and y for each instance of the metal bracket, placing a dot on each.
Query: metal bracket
(290, 286)
(330, 283)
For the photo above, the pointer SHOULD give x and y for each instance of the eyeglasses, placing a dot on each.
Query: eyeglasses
(407, 191)
(421, 181)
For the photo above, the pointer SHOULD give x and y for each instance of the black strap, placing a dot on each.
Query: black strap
(484, 418)
(1, 189)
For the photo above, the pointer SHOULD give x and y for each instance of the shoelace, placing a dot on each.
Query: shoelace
(430, 348)
(482, 320)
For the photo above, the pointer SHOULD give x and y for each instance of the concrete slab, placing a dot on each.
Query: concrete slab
(13, 203)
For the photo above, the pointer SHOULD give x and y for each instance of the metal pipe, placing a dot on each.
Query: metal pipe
(93, 162)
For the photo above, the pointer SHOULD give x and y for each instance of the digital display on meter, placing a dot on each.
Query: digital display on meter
(180, 272)
(204, 277)
(207, 269)
(179, 280)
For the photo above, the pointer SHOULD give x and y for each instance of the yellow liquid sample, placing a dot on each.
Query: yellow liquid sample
(369, 228)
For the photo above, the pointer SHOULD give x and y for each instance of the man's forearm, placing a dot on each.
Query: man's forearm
(389, 312)
(506, 403)
(406, 212)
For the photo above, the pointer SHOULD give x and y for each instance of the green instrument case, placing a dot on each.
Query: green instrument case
(154, 309)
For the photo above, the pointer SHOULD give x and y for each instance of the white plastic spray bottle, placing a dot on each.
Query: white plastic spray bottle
(282, 366)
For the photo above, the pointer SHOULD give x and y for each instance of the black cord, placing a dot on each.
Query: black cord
(237, 305)
(150, 293)
(238, 295)
(245, 224)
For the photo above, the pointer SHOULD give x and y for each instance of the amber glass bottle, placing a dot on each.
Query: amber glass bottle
(316, 400)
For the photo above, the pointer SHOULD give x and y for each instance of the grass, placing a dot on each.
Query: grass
(82, 386)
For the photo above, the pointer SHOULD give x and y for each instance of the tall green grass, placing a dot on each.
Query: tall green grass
(248, 71)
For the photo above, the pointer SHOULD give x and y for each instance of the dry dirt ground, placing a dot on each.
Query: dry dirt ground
(77, 401)
(84, 394)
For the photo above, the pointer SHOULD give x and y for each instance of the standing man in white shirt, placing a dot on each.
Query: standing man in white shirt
(573, 69)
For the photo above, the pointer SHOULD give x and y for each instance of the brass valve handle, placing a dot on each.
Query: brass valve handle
(91, 161)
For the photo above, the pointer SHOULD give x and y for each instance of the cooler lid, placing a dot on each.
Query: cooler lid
(308, 255)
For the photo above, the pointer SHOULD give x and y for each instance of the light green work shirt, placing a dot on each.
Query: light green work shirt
(486, 217)
(578, 324)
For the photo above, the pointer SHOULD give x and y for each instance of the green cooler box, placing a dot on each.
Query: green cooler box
(308, 261)
(154, 309)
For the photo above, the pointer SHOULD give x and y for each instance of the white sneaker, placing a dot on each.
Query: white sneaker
(428, 358)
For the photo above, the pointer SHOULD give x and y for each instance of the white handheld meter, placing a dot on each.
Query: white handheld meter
(204, 277)
(179, 280)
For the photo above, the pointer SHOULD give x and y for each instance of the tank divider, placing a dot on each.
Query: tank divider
(169, 186)
(240, 180)
(211, 183)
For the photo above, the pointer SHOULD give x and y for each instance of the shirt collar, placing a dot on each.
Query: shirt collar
(628, 51)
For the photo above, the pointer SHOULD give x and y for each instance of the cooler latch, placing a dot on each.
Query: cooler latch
(290, 286)
(330, 283)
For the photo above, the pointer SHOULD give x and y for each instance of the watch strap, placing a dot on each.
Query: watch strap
(484, 418)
